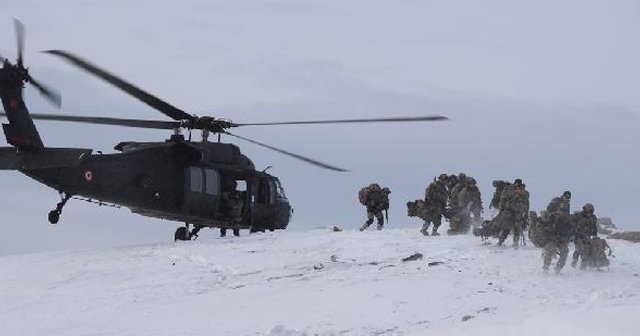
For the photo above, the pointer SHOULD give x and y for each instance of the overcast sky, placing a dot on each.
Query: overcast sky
(545, 90)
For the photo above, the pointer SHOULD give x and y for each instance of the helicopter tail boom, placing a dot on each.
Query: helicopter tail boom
(11, 159)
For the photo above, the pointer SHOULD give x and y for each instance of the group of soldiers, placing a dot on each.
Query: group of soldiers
(457, 199)
(454, 197)
(557, 227)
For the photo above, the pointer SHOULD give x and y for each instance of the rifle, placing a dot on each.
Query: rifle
(386, 214)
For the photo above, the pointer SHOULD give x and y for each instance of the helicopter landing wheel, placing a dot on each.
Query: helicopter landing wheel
(54, 217)
(182, 233)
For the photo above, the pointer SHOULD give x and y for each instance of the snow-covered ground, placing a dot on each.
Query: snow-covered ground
(316, 283)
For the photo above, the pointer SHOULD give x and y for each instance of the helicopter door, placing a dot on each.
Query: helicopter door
(202, 191)
(263, 205)
(265, 192)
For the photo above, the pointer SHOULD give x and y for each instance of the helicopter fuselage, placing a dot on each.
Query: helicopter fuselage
(176, 180)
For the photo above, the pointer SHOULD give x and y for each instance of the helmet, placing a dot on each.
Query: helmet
(566, 194)
(443, 177)
(386, 190)
(517, 181)
(462, 176)
(471, 180)
(588, 208)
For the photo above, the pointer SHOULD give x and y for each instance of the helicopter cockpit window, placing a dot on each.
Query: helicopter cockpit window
(279, 190)
(212, 182)
(196, 179)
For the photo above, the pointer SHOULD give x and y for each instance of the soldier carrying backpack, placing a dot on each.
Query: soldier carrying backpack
(585, 226)
(435, 203)
(558, 231)
(376, 200)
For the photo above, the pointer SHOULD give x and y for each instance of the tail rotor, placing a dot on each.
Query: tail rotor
(21, 73)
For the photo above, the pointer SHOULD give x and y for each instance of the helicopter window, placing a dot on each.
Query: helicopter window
(272, 192)
(212, 181)
(241, 185)
(195, 176)
(279, 190)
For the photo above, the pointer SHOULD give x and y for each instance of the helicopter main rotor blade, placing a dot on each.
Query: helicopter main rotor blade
(345, 121)
(149, 99)
(281, 151)
(155, 124)
(19, 38)
(49, 93)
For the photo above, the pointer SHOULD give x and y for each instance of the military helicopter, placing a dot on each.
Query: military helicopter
(199, 183)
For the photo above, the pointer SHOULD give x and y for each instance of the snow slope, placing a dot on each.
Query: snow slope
(315, 283)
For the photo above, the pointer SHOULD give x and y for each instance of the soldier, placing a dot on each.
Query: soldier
(471, 198)
(435, 201)
(376, 200)
(561, 204)
(585, 226)
(469, 202)
(454, 210)
(514, 211)
(557, 231)
(232, 205)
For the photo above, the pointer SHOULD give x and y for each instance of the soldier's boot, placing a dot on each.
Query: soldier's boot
(223, 232)
(518, 235)
(425, 229)
(434, 232)
(380, 225)
(576, 256)
(193, 235)
(366, 224)
(236, 232)
(503, 236)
